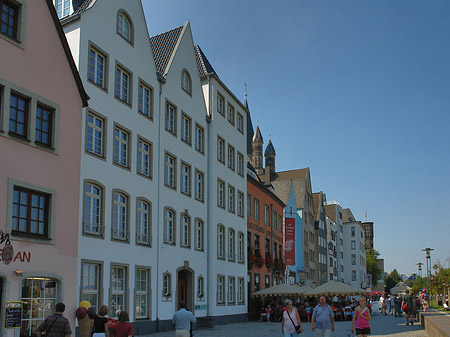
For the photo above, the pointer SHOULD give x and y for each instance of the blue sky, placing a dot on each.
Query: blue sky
(359, 91)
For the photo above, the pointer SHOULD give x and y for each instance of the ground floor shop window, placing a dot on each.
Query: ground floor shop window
(39, 299)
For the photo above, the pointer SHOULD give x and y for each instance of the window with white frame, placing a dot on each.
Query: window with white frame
(44, 126)
(353, 245)
(220, 289)
(353, 275)
(62, 8)
(145, 100)
(120, 216)
(186, 83)
(97, 67)
(231, 196)
(95, 134)
(186, 129)
(121, 146)
(220, 150)
(220, 104)
(231, 290)
(220, 193)
(185, 228)
(124, 27)
(93, 209)
(231, 114)
(91, 284)
(240, 123)
(353, 231)
(231, 157)
(220, 242)
(266, 215)
(249, 204)
(199, 138)
(240, 164)
(185, 179)
(240, 248)
(200, 287)
(171, 119)
(240, 204)
(169, 171)
(143, 220)
(118, 290)
(169, 226)
(241, 290)
(353, 259)
(256, 209)
(199, 234)
(231, 245)
(123, 85)
(144, 158)
(167, 285)
(141, 297)
(199, 189)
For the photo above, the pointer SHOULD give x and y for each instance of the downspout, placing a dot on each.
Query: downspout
(208, 200)
(162, 81)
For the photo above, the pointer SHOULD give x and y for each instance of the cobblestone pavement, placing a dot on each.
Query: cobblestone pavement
(380, 326)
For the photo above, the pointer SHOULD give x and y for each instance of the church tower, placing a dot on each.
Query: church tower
(269, 156)
(257, 156)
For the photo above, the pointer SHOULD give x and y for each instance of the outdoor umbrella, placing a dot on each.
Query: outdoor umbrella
(283, 290)
(376, 293)
(335, 288)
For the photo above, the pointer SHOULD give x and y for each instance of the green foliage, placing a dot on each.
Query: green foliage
(391, 281)
(372, 267)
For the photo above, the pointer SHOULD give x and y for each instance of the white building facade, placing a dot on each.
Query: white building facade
(354, 251)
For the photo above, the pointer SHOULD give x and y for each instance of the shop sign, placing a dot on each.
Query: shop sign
(13, 315)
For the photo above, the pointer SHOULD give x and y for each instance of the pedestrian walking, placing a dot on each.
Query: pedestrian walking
(322, 319)
(392, 298)
(361, 319)
(124, 327)
(56, 325)
(182, 320)
(407, 307)
(291, 325)
(424, 299)
(388, 304)
(398, 305)
(101, 323)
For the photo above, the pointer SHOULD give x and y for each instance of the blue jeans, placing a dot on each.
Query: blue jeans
(323, 332)
(292, 334)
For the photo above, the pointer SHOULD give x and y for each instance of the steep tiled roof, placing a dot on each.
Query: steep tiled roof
(330, 211)
(317, 201)
(250, 132)
(288, 175)
(347, 215)
(79, 6)
(257, 137)
(269, 149)
(204, 67)
(163, 46)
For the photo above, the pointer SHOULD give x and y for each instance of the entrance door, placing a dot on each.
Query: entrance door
(182, 287)
(185, 289)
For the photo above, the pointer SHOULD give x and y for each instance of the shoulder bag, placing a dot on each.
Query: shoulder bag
(48, 330)
(297, 327)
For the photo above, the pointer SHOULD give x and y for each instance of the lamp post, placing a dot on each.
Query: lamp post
(420, 275)
(427, 251)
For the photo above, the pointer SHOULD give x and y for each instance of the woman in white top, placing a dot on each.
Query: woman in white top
(290, 320)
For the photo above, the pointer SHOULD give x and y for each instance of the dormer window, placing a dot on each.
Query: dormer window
(62, 8)
(124, 26)
(186, 83)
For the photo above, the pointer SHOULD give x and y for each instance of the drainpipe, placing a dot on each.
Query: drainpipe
(162, 81)
(209, 296)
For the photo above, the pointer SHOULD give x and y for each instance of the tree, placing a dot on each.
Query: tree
(392, 280)
(372, 267)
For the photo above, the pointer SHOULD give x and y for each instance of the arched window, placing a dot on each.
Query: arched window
(169, 226)
(186, 82)
(124, 26)
(120, 216)
(93, 209)
(143, 222)
(167, 285)
(185, 228)
(220, 242)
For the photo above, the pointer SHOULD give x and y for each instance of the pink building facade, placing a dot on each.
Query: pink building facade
(41, 100)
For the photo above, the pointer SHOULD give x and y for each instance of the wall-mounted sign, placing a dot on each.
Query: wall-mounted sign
(7, 252)
(289, 243)
(13, 315)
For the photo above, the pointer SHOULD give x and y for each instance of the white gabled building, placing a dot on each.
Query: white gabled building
(333, 210)
(227, 191)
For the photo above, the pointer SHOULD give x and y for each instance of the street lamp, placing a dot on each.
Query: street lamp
(428, 250)
(420, 274)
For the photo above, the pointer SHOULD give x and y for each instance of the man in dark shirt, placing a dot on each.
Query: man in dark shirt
(56, 325)
(407, 307)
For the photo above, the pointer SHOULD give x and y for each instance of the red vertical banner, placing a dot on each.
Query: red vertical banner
(289, 241)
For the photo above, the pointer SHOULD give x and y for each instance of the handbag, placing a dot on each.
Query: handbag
(405, 308)
(297, 327)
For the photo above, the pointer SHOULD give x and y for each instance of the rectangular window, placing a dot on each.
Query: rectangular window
(185, 228)
(220, 289)
(220, 150)
(353, 231)
(240, 164)
(144, 158)
(91, 283)
(97, 68)
(257, 242)
(141, 299)
(200, 287)
(249, 204)
(169, 171)
(220, 104)
(231, 247)
(231, 290)
(120, 216)
(18, 116)
(266, 215)
(266, 281)
(231, 197)
(118, 290)
(220, 242)
(185, 179)
(121, 147)
(9, 19)
(145, 100)
(95, 134)
(44, 125)
(231, 157)
(240, 204)
(240, 123)
(93, 205)
(241, 247)
(256, 209)
(353, 275)
(186, 129)
(123, 85)
(257, 282)
(30, 213)
(198, 234)
(199, 189)
(220, 193)
(171, 119)
(169, 226)
(231, 114)
(274, 220)
(353, 245)
(199, 138)
(241, 290)
(143, 220)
